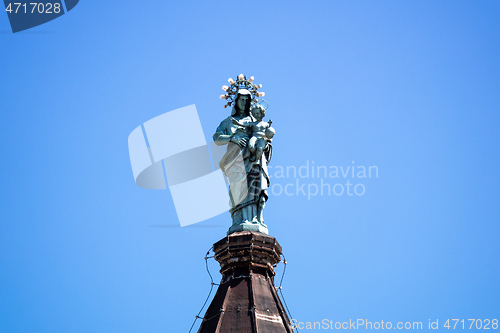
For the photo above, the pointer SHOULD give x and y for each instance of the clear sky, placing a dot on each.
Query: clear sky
(410, 87)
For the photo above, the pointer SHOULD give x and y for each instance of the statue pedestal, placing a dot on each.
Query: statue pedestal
(246, 300)
(249, 226)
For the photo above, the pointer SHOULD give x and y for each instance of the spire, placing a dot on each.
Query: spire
(246, 300)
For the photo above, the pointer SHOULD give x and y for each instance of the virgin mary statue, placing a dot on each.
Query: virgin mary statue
(248, 177)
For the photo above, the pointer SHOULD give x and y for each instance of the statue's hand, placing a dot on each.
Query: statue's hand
(242, 142)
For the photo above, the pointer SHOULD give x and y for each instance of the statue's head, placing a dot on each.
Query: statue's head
(242, 102)
(258, 111)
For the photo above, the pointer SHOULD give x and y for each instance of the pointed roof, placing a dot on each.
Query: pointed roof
(246, 300)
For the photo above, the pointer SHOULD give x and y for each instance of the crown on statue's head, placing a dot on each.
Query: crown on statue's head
(242, 83)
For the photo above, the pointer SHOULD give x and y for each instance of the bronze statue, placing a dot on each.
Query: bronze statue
(248, 139)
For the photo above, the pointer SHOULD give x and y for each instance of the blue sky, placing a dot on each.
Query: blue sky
(408, 86)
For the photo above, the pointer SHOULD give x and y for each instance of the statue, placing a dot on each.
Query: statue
(248, 139)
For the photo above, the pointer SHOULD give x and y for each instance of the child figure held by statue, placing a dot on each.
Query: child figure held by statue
(262, 132)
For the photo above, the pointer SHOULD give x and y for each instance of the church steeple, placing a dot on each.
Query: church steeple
(246, 300)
